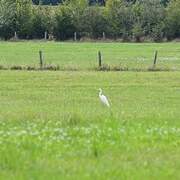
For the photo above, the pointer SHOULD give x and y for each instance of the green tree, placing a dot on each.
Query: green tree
(173, 20)
(138, 31)
(64, 27)
(7, 18)
(24, 18)
(78, 8)
(120, 18)
(43, 20)
(38, 23)
(94, 22)
(152, 18)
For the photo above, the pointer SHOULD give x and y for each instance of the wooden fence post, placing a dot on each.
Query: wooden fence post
(75, 36)
(155, 59)
(41, 59)
(104, 36)
(15, 35)
(45, 35)
(100, 58)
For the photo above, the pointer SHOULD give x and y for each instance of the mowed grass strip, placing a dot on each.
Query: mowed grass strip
(53, 126)
(83, 56)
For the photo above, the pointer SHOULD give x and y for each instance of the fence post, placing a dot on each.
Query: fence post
(104, 36)
(75, 36)
(100, 58)
(41, 59)
(45, 35)
(15, 35)
(155, 59)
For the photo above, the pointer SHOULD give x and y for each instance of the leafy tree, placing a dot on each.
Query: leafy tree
(24, 18)
(43, 21)
(137, 31)
(173, 20)
(152, 16)
(120, 18)
(64, 28)
(78, 8)
(94, 21)
(39, 23)
(7, 18)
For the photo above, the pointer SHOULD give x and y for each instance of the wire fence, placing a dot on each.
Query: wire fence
(36, 55)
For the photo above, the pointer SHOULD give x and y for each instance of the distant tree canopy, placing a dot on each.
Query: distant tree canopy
(129, 20)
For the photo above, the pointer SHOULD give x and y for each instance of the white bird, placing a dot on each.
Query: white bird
(103, 98)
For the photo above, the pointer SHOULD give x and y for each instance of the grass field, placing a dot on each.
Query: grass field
(52, 125)
(84, 55)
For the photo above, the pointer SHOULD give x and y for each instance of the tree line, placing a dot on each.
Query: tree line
(129, 20)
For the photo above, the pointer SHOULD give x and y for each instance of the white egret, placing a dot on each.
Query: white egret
(103, 98)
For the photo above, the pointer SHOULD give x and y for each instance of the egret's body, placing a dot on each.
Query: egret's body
(103, 98)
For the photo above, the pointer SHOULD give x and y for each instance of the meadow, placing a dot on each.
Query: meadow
(53, 126)
(83, 56)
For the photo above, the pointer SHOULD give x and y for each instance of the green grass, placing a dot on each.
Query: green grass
(84, 55)
(53, 126)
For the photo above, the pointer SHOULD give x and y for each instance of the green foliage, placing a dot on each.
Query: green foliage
(43, 21)
(137, 32)
(94, 27)
(118, 18)
(39, 23)
(152, 18)
(7, 18)
(64, 28)
(24, 18)
(128, 20)
(173, 20)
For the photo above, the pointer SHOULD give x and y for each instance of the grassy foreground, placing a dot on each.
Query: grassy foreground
(84, 55)
(52, 125)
